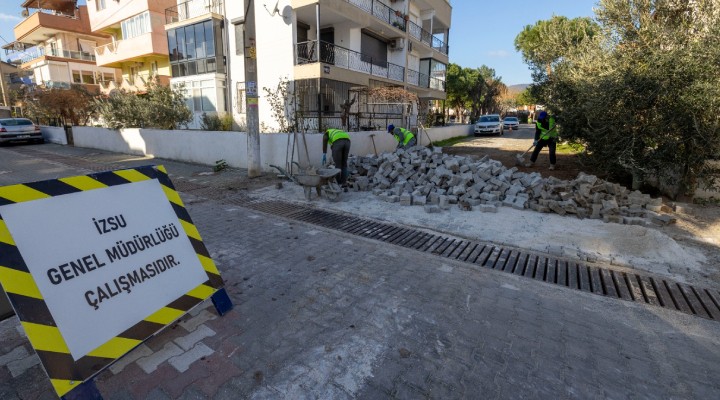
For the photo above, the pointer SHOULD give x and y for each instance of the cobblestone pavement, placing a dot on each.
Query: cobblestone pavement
(324, 315)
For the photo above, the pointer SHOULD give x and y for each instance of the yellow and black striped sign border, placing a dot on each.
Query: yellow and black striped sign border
(40, 327)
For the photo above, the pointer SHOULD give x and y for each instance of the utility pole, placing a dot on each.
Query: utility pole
(251, 93)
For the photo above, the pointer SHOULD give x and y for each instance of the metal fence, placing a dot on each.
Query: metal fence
(307, 52)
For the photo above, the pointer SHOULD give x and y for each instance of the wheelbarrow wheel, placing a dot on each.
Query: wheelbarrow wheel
(332, 191)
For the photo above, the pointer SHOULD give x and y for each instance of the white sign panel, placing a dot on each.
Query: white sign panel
(104, 259)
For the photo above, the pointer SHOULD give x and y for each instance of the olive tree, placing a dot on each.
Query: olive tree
(643, 93)
(160, 107)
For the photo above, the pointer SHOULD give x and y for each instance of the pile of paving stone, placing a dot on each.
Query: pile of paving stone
(423, 177)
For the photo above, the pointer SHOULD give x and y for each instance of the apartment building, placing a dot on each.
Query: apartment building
(332, 52)
(138, 45)
(197, 47)
(56, 45)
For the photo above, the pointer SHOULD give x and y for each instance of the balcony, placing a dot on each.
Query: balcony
(191, 9)
(420, 34)
(312, 52)
(381, 11)
(422, 80)
(114, 53)
(42, 24)
(39, 52)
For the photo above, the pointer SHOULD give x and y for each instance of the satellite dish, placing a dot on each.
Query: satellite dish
(25, 13)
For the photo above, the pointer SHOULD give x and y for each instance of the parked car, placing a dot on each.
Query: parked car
(19, 130)
(511, 123)
(489, 124)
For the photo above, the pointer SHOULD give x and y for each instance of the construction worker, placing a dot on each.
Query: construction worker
(404, 137)
(545, 135)
(339, 141)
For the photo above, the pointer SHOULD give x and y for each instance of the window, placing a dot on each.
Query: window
(192, 49)
(190, 42)
(100, 5)
(136, 26)
(199, 41)
(88, 78)
(77, 78)
(172, 45)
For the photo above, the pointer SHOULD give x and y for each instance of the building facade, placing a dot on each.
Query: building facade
(56, 45)
(138, 44)
(332, 52)
(198, 57)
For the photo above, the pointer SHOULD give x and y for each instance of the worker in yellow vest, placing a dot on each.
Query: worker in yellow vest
(339, 142)
(404, 137)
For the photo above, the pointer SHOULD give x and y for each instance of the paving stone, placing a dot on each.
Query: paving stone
(18, 367)
(151, 362)
(201, 332)
(129, 358)
(183, 361)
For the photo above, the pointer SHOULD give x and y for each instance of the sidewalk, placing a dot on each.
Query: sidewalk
(327, 315)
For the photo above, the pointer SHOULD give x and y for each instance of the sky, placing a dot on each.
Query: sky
(482, 32)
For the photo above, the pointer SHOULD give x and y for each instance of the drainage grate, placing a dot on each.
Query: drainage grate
(634, 287)
(627, 286)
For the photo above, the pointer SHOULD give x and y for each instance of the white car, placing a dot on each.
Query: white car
(511, 123)
(19, 130)
(489, 124)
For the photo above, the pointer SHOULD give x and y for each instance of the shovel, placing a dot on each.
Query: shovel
(372, 137)
(430, 145)
(519, 158)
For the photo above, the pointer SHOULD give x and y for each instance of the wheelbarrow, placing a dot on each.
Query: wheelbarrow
(323, 181)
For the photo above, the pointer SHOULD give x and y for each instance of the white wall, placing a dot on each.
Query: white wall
(206, 148)
(275, 52)
(54, 134)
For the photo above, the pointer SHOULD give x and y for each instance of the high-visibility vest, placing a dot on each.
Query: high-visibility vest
(336, 134)
(546, 134)
(407, 135)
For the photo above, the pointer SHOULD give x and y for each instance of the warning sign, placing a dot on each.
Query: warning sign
(94, 265)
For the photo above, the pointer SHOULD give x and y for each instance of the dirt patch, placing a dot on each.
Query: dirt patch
(505, 149)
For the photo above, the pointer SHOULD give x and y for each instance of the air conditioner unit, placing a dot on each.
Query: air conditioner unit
(397, 44)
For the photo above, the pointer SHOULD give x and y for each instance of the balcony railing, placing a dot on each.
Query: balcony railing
(312, 52)
(30, 55)
(381, 11)
(418, 33)
(418, 79)
(192, 9)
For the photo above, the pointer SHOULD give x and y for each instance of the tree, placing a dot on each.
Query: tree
(643, 94)
(547, 42)
(525, 98)
(161, 107)
(74, 106)
(477, 90)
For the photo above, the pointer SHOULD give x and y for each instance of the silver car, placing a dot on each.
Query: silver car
(511, 123)
(19, 130)
(489, 124)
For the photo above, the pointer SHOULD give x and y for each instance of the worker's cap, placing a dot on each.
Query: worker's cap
(391, 128)
(542, 115)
